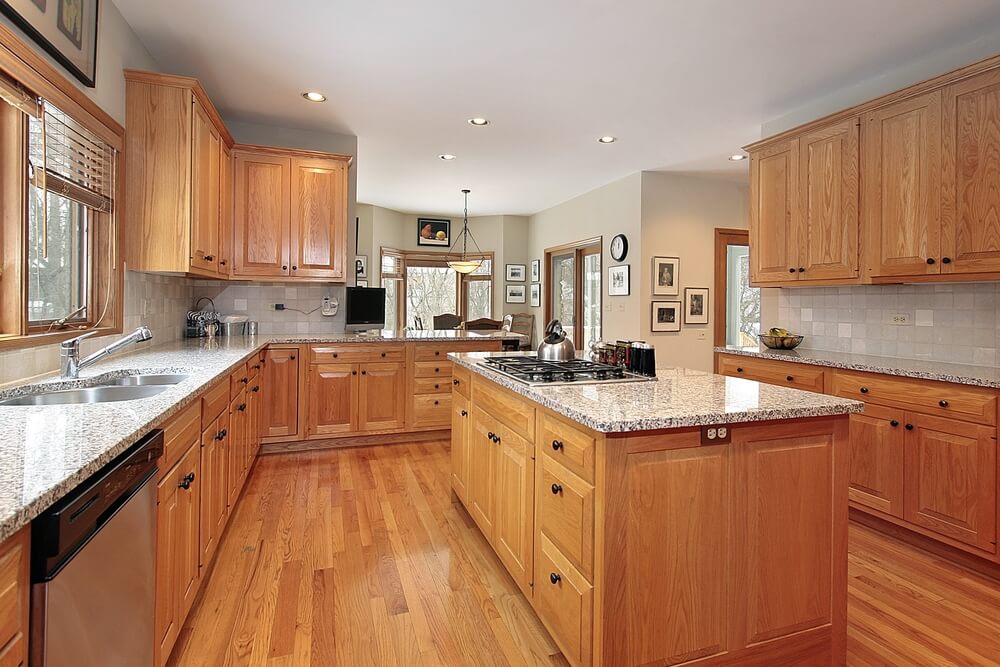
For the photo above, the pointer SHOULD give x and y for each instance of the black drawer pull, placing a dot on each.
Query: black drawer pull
(245, 380)
(555, 578)
(437, 386)
(335, 355)
(739, 369)
(946, 260)
(364, 372)
(790, 378)
(435, 402)
(802, 269)
(383, 354)
(864, 390)
(437, 353)
(557, 445)
(894, 423)
(556, 489)
(437, 370)
(791, 270)
(909, 427)
(930, 260)
(943, 403)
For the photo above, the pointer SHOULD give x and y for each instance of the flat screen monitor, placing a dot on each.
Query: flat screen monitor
(365, 308)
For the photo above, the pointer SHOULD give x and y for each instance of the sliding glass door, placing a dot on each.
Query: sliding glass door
(574, 292)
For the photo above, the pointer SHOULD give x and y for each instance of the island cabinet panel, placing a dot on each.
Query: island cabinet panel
(281, 393)
(564, 600)
(332, 399)
(902, 153)
(951, 483)
(514, 511)
(565, 512)
(482, 472)
(461, 457)
(876, 455)
(774, 201)
(569, 445)
(971, 203)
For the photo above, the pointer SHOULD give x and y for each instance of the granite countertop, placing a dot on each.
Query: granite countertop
(678, 397)
(924, 369)
(46, 451)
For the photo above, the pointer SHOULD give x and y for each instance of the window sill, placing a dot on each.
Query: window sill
(15, 342)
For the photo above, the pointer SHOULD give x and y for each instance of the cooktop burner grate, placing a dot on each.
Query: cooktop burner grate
(532, 370)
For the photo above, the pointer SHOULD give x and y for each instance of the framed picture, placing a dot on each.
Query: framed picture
(66, 29)
(433, 231)
(536, 270)
(515, 272)
(536, 295)
(618, 280)
(362, 283)
(695, 305)
(666, 276)
(361, 267)
(515, 294)
(665, 316)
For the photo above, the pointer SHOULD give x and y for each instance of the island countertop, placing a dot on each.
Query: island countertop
(677, 398)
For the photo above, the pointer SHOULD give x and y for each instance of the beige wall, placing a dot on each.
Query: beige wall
(679, 218)
(606, 211)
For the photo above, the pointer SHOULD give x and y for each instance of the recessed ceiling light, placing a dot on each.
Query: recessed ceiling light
(736, 157)
(607, 140)
(478, 122)
(313, 96)
(447, 156)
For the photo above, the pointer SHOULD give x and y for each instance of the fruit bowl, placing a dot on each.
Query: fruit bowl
(788, 342)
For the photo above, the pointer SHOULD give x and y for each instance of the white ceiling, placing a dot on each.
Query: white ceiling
(682, 84)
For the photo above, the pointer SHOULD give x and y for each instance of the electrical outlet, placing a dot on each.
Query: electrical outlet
(899, 319)
(279, 306)
(716, 435)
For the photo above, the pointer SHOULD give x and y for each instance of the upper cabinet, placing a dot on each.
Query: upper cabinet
(198, 204)
(899, 189)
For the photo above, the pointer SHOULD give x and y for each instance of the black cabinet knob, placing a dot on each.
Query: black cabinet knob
(555, 578)
(256, 367)
(556, 489)
(931, 260)
(435, 402)
(295, 268)
(802, 269)
(222, 262)
(791, 270)
(465, 413)
(245, 380)
(383, 354)
(209, 258)
(455, 382)
(739, 370)
(242, 407)
(292, 357)
(437, 353)
(864, 390)
(946, 260)
(364, 372)
(354, 372)
(335, 355)
(437, 370)
(491, 435)
(790, 378)
(186, 481)
(943, 403)
(894, 423)
(557, 445)
(909, 427)
(437, 386)
(256, 388)
(284, 267)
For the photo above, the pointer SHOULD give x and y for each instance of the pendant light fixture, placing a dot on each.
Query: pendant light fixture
(468, 263)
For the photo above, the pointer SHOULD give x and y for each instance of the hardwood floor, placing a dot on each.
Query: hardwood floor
(359, 557)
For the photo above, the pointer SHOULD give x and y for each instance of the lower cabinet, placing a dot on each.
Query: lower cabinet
(355, 398)
(381, 393)
(281, 393)
(213, 484)
(482, 472)
(877, 443)
(236, 445)
(460, 458)
(14, 595)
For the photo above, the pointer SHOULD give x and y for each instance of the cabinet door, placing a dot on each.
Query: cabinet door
(381, 401)
(235, 444)
(225, 209)
(166, 621)
(828, 202)
(281, 393)
(902, 177)
(482, 467)
(205, 192)
(262, 215)
(950, 473)
(188, 526)
(254, 420)
(460, 418)
(333, 399)
(514, 515)
(213, 495)
(970, 208)
(876, 456)
(773, 213)
(319, 219)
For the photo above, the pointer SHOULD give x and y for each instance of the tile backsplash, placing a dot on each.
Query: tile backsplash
(256, 301)
(952, 323)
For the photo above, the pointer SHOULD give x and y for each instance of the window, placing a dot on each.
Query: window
(737, 314)
(430, 291)
(574, 294)
(58, 185)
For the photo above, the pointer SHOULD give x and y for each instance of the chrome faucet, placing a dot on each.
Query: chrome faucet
(70, 363)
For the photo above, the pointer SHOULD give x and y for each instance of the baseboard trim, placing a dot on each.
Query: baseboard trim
(354, 441)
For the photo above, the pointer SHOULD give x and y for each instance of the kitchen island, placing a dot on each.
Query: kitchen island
(693, 518)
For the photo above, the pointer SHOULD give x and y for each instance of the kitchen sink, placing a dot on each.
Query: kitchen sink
(105, 394)
(152, 379)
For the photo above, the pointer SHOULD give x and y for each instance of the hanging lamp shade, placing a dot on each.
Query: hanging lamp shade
(467, 262)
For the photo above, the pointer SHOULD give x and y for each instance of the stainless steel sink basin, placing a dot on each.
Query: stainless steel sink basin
(152, 379)
(106, 394)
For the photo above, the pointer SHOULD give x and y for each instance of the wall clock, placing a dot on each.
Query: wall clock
(619, 247)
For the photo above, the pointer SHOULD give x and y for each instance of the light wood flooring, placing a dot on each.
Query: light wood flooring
(358, 557)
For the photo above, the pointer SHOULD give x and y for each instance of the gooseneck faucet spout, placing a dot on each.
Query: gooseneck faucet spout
(70, 363)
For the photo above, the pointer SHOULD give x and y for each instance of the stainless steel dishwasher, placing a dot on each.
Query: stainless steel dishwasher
(92, 567)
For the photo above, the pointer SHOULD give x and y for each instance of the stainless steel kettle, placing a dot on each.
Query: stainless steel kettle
(556, 345)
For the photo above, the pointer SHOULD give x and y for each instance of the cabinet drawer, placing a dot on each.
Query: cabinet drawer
(213, 402)
(432, 410)
(800, 376)
(505, 407)
(461, 380)
(435, 385)
(424, 352)
(564, 601)
(238, 379)
(331, 354)
(432, 369)
(13, 588)
(178, 435)
(253, 367)
(568, 445)
(933, 398)
(566, 513)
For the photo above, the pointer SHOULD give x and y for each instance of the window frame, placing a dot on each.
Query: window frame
(579, 250)
(22, 65)
(724, 237)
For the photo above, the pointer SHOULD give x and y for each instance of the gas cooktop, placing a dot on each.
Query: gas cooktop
(534, 371)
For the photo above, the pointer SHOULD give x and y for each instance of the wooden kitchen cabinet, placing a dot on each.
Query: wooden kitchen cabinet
(774, 226)
(236, 450)
(951, 483)
(280, 410)
(214, 511)
(332, 399)
(482, 472)
(876, 459)
(514, 510)
(206, 181)
(381, 396)
(460, 454)
(290, 214)
(225, 210)
(14, 599)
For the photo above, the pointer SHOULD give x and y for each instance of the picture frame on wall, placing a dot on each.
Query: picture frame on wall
(618, 280)
(361, 267)
(66, 29)
(666, 276)
(536, 270)
(665, 316)
(515, 294)
(434, 232)
(536, 295)
(516, 273)
(695, 305)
